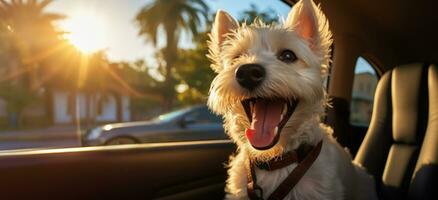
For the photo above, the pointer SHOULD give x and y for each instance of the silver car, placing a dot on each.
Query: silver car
(188, 124)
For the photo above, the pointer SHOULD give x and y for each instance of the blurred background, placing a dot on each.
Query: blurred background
(72, 67)
(104, 72)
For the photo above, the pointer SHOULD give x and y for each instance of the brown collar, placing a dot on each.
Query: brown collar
(286, 159)
(305, 155)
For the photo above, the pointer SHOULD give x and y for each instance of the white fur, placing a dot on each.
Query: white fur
(306, 33)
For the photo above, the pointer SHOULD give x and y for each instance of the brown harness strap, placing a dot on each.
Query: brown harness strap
(287, 159)
(255, 192)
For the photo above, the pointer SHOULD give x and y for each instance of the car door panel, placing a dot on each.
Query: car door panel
(207, 131)
(167, 170)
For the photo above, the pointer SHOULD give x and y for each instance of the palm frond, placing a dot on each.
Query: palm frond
(44, 3)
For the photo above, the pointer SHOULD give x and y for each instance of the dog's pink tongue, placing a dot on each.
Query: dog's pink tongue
(266, 116)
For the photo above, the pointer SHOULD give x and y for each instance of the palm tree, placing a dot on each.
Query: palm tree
(32, 37)
(172, 17)
(28, 19)
(268, 15)
(34, 32)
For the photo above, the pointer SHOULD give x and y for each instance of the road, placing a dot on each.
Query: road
(52, 137)
(12, 145)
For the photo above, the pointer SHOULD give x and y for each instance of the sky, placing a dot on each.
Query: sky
(121, 40)
(362, 65)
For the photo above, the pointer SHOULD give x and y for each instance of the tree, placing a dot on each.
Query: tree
(17, 97)
(268, 15)
(195, 71)
(30, 38)
(34, 33)
(171, 17)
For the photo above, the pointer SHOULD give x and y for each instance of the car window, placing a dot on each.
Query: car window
(204, 116)
(72, 71)
(172, 115)
(364, 86)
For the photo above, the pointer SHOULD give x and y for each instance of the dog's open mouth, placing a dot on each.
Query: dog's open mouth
(267, 117)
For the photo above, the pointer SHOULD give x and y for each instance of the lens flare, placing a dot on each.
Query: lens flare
(86, 30)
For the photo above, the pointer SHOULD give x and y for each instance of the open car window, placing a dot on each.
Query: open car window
(91, 72)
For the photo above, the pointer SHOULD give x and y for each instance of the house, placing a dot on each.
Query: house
(68, 107)
(102, 97)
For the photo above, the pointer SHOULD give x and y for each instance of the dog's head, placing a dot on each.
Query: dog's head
(270, 77)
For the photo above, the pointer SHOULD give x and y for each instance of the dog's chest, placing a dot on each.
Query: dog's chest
(270, 180)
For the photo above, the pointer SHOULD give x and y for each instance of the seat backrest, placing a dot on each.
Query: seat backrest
(401, 146)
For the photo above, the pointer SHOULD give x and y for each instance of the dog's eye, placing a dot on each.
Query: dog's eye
(287, 56)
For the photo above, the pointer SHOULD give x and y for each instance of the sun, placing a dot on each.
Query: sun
(86, 31)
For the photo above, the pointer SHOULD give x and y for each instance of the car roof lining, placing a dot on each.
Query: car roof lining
(389, 33)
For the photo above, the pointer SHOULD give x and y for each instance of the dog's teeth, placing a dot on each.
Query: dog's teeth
(276, 130)
(284, 109)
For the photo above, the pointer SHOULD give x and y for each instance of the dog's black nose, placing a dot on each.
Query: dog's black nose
(250, 76)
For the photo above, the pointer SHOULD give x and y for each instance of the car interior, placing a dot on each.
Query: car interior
(399, 147)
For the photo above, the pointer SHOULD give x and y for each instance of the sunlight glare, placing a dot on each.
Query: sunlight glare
(86, 31)
(180, 88)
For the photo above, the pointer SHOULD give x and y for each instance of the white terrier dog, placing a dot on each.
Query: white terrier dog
(269, 88)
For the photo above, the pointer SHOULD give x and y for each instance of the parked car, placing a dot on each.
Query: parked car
(187, 124)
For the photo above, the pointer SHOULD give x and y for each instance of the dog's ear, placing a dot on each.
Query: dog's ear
(223, 24)
(308, 21)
